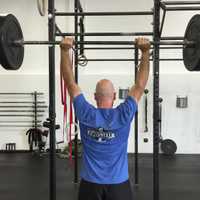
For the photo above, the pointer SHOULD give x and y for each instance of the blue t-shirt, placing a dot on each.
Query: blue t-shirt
(104, 135)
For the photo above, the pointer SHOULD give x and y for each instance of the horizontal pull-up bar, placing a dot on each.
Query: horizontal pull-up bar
(128, 60)
(21, 93)
(18, 126)
(172, 38)
(127, 48)
(103, 13)
(18, 115)
(20, 42)
(22, 102)
(180, 2)
(106, 34)
(182, 8)
(19, 121)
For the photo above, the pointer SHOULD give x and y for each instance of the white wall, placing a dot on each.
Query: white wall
(178, 124)
(33, 75)
(20, 83)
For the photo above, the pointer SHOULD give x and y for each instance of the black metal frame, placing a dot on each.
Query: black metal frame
(156, 83)
(106, 34)
(136, 60)
(93, 42)
(129, 48)
(157, 30)
(125, 59)
(52, 114)
(64, 14)
(180, 5)
(76, 28)
(181, 2)
(162, 22)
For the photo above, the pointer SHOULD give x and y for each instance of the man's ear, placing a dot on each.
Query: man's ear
(114, 96)
(95, 96)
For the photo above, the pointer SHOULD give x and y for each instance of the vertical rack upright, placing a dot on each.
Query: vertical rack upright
(76, 24)
(52, 115)
(156, 71)
(136, 125)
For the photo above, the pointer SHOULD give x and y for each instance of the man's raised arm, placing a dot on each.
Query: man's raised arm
(143, 71)
(66, 67)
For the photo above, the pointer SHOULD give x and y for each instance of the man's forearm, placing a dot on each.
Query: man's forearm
(143, 71)
(66, 68)
(67, 73)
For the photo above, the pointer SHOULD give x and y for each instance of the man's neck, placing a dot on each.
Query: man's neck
(106, 105)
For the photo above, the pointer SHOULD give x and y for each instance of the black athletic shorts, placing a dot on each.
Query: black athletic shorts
(93, 191)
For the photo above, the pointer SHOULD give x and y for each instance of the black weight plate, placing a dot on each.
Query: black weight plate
(191, 55)
(168, 147)
(11, 56)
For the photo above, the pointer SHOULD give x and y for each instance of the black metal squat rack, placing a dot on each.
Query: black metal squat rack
(156, 33)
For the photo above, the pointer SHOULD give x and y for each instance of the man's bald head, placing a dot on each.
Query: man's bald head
(105, 93)
(105, 88)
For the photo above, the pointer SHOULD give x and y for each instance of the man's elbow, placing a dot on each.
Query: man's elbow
(73, 90)
(140, 87)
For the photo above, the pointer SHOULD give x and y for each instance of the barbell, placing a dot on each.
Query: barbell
(12, 43)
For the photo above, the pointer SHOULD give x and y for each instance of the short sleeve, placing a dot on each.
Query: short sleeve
(85, 112)
(127, 110)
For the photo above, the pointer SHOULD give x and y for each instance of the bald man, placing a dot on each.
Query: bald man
(105, 130)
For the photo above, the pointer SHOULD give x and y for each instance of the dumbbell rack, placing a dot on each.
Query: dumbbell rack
(21, 110)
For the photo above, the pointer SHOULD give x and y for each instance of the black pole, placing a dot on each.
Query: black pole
(162, 23)
(103, 13)
(172, 38)
(52, 115)
(22, 121)
(106, 34)
(180, 2)
(21, 102)
(76, 25)
(79, 6)
(126, 60)
(23, 106)
(19, 115)
(128, 48)
(136, 124)
(18, 126)
(20, 93)
(184, 8)
(22, 111)
(156, 39)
